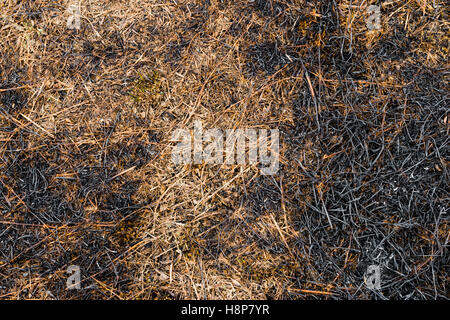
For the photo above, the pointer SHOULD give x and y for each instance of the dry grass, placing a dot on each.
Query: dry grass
(86, 176)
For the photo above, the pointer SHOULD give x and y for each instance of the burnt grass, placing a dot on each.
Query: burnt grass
(85, 172)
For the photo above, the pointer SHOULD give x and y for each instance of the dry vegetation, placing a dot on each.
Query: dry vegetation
(86, 176)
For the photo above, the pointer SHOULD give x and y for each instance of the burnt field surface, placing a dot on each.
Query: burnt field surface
(87, 178)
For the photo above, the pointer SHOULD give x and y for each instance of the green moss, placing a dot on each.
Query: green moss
(146, 88)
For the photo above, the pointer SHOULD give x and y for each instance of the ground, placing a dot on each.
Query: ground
(86, 176)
